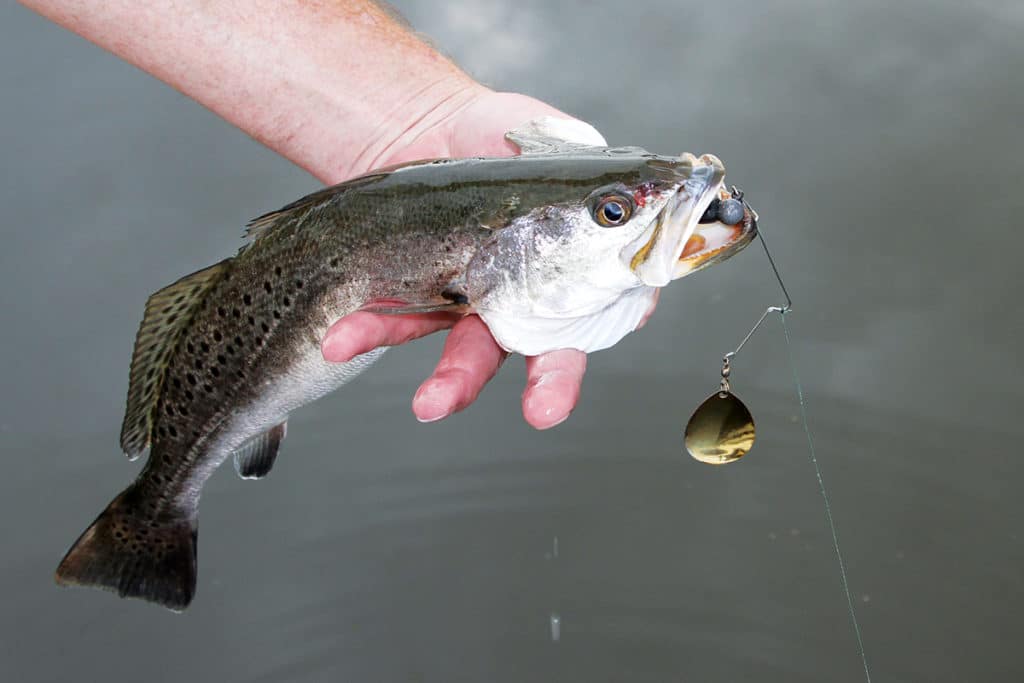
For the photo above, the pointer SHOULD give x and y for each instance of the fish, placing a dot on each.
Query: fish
(562, 246)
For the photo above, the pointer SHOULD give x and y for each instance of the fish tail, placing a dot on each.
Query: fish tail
(135, 551)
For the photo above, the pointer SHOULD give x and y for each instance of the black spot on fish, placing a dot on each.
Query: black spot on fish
(277, 314)
(298, 284)
(252, 321)
(277, 271)
(266, 286)
(176, 382)
(191, 379)
(199, 364)
(205, 347)
(190, 348)
(286, 301)
(215, 372)
(221, 311)
(247, 299)
(265, 327)
(189, 395)
(217, 336)
(237, 313)
(334, 263)
(221, 359)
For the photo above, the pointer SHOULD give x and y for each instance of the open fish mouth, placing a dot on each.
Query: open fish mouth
(714, 239)
(657, 253)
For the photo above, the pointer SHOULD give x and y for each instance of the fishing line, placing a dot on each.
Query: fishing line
(811, 454)
(721, 430)
(824, 496)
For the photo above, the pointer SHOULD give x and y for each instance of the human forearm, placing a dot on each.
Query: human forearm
(337, 87)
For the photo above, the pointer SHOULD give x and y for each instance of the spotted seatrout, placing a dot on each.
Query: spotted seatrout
(561, 247)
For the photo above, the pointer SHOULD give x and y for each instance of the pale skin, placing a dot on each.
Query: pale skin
(339, 87)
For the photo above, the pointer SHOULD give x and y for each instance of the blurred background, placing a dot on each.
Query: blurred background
(881, 144)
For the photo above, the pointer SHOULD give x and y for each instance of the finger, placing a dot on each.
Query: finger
(361, 331)
(553, 386)
(650, 311)
(470, 359)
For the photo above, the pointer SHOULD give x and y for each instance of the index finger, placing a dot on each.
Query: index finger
(363, 331)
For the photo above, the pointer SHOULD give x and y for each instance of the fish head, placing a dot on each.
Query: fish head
(579, 269)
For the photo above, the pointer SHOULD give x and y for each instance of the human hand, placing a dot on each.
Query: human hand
(471, 356)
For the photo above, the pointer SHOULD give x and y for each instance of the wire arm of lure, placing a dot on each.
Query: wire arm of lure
(781, 310)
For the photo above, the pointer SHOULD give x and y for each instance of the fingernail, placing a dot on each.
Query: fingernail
(428, 405)
(539, 401)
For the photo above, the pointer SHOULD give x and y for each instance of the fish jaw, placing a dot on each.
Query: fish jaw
(711, 243)
(654, 256)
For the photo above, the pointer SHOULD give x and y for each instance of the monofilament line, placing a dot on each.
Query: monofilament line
(824, 496)
(782, 311)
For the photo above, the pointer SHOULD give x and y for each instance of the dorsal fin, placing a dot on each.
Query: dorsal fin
(293, 213)
(168, 312)
(550, 134)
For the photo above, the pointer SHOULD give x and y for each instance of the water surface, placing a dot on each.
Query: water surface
(881, 145)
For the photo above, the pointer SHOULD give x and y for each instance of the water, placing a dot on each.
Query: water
(881, 146)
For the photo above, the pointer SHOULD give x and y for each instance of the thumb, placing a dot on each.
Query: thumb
(479, 128)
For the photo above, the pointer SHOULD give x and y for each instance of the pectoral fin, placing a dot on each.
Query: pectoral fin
(255, 457)
(447, 302)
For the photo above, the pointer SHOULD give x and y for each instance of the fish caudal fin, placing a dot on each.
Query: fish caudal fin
(135, 555)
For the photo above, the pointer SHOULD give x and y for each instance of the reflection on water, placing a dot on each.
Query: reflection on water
(879, 144)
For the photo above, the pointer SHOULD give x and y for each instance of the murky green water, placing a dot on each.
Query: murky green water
(881, 144)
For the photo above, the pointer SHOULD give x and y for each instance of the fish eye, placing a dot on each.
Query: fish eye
(613, 210)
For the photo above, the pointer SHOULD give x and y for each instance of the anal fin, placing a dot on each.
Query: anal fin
(255, 458)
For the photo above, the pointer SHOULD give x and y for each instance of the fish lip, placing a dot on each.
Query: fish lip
(716, 254)
(657, 252)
